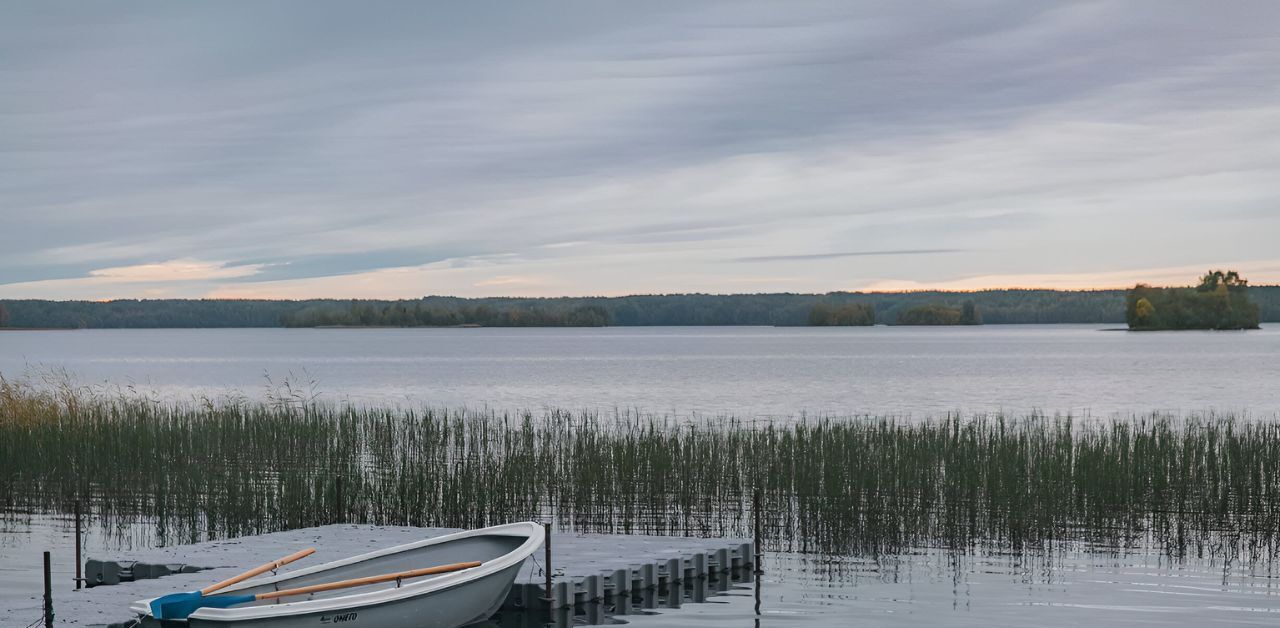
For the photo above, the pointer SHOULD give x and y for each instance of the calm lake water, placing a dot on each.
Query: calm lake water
(746, 371)
(927, 587)
(751, 372)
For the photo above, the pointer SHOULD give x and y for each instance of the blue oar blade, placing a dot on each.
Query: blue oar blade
(158, 605)
(181, 608)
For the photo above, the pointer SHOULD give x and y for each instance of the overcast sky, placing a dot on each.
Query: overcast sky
(298, 149)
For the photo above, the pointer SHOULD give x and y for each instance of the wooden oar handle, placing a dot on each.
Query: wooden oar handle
(329, 586)
(258, 570)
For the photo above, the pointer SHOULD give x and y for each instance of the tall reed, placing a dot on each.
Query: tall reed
(1206, 485)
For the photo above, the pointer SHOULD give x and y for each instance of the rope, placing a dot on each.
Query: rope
(530, 572)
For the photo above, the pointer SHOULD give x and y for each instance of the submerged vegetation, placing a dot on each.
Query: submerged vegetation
(1206, 486)
(1220, 301)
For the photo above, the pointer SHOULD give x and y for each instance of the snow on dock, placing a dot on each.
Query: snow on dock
(585, 568)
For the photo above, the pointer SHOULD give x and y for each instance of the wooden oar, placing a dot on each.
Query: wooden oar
(175, 602)
(223, 601)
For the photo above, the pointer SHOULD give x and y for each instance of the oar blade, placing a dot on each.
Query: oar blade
(159, 604)
(181, 608)
(179, 605)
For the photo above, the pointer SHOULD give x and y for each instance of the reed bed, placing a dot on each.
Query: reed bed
(1203, 486)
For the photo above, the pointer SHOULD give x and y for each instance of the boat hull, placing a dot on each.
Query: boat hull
(448, 608)
(443, 601)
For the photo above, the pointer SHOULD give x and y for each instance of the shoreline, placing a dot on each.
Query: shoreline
(1263, 325)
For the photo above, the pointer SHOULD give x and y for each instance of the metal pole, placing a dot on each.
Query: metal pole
(546, 545)
(79, 573)
(48, 593)
(337, 498)
(759, 540)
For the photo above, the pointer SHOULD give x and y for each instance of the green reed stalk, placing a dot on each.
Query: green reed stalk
(853, 485)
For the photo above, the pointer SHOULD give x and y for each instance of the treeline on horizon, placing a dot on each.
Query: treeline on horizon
(783, 309)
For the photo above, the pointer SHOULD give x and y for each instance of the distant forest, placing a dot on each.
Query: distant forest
(836, 308)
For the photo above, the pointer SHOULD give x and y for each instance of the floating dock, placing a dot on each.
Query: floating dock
(591, 573)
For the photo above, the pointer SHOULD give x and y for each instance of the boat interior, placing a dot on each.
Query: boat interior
(481, 548)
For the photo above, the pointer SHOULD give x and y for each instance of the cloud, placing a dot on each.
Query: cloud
(174, 270)
(508, 280)
(1262, 272)
(342, 151)
(173, 278)
(822, 256)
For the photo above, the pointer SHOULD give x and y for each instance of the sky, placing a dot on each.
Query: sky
(286, 149)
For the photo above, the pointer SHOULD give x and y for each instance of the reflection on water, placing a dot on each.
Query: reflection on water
(619, 609)
(938, 587)
(1070, 585)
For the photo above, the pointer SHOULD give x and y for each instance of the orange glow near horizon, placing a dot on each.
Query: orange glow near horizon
(201, 280)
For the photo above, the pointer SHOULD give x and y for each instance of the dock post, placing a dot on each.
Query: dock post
(593, 588)
(723, 562)
(79, 573)
(546, 546)
(48, 593)
(675, 570)
(759, 542)
(621, 581)
(648, 576)
(337, 517)
(563, 598)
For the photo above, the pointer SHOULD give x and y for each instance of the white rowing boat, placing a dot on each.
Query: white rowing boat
(453, 599)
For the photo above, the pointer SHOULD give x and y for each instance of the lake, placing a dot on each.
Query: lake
(752, 372)
(745, 371)
(1068, 587)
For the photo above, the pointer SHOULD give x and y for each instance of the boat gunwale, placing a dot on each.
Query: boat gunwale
(533, 533)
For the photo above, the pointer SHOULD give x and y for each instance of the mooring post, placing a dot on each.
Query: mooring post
(759, 540)
(79, 573)
(337, 501)
(756, 501)
(48, 593)
(546, 546)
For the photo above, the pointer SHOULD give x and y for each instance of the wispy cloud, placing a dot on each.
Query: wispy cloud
(510, 281)
(174, 270)
(821, 256)
(172, 278)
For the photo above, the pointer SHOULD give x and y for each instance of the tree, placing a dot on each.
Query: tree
(931, 314)
(846, 315)
(4, 316)
(820, 314)
(1216, 280)
(1143, 310)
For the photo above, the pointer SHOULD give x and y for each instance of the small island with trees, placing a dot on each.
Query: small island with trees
(824, 314)
(937, 314)
(1220, 301)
